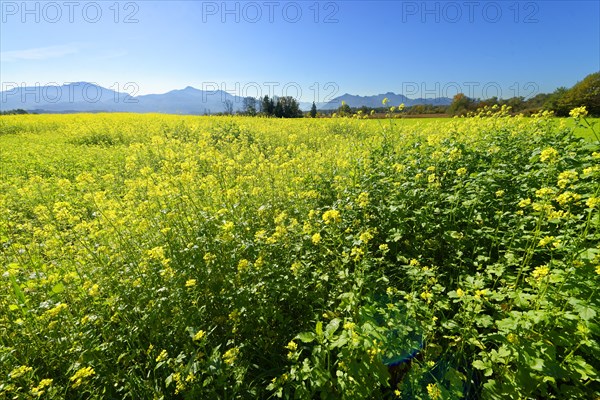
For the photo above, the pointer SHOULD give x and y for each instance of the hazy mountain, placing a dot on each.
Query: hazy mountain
(77, 96)
(376, 101)
(89, 97)
(186, 101)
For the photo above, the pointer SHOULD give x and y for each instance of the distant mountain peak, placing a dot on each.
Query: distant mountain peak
(375, 101)
(77, 97)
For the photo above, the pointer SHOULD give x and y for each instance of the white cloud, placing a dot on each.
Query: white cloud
(37, 54)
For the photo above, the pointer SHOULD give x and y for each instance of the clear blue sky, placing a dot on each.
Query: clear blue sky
(421, 49)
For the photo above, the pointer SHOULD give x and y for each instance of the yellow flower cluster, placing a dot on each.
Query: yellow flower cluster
(40, 389)
(230, 356)
(567, 198)
(20, 371)
(53, 312)
(549, 155)
(199, 335)
(593, 202)
(331, 216)
(578, 112)
(540, 272)
(546, 240)
(434, 391)
(81, 376)
(190, 283)
(544, 192)
(316, 238)
(162, 356)
(567, 177)
(363, 199)
(524, 203)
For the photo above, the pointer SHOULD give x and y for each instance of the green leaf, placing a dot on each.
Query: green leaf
(332, 327)
(484, 321)
(536, 364)
(485, 366)
(583, 368)
(306, 337)
(340, 341)
(589, 254)
(580, 307)
(17, 289)
(586, 313)
(58, 288)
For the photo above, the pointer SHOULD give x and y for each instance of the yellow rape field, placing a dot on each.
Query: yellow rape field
(157, 256)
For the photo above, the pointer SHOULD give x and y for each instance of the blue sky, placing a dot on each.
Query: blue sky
(307, 49)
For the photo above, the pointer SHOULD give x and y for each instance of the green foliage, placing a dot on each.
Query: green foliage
(313, 110)
(207, 257)
(281, 107)
(585, 93)
(460, 105)
(18, 111)
(344, 110)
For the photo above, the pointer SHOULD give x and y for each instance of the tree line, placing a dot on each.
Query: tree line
(18, 111)
(561, 101)
(279, 107)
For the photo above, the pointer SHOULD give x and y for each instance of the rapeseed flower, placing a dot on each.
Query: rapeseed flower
(190, 283)
(546, 240)
(331, 216)
(549, 155)
(524, 203)
(81, 375)
(593, 202)
(230, 356)
(567, 177)
(578, 112)
(363, 199)
(39, 390)
(162, 356)
(540, 272)
(434, 391)
(199, 335)
(19, 371)
(316, 238)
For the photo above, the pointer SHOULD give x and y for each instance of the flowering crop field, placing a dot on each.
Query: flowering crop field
(163, 257)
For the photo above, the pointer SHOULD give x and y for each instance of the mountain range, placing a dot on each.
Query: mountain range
(89, 97)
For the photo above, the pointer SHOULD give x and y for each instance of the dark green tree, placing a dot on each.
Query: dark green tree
(556, 102)
(461, 104)
(585, 93)
(344, 109)
(290, 107)
(267, 106)
(249, 106)
(313, 110)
